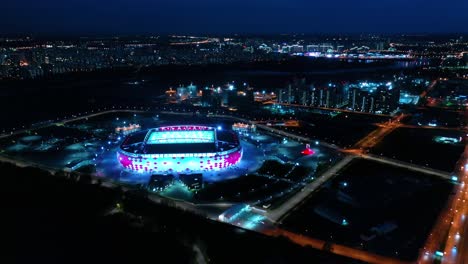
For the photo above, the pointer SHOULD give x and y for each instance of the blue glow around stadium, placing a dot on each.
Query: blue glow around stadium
(144, 157)
(180, 137)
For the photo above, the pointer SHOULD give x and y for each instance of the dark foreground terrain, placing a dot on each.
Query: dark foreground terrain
(55, 219)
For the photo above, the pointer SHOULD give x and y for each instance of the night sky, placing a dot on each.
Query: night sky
(232, 16)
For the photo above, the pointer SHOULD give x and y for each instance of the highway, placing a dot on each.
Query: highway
(464, 245)
(458, 223)
(449, 234)
(450, 228)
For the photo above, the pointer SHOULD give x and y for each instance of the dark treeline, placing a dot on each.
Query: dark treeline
(58, 219)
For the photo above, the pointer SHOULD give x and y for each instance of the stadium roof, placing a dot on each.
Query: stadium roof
(179, 148)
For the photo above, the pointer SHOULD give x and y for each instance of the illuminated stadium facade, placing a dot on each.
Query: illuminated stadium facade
(184, 148)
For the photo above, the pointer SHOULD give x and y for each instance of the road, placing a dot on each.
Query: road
(293, 136)
(449, 234)
(451, 226)
(458, 223)
(464, 245)
(377, 135)
(429, 88)
(278, 213)
(334, 248)
(431, 127)
(272, 130)
(397, 163)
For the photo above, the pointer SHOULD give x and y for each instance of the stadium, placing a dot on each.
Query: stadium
(182, 148)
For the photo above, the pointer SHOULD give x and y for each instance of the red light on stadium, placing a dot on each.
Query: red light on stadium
(307, 151)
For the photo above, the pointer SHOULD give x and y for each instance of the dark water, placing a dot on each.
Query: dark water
(25, 102)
